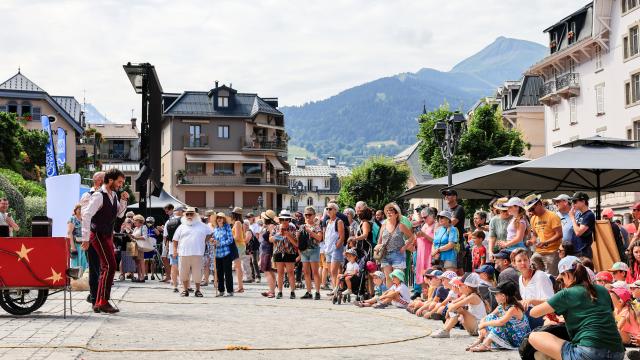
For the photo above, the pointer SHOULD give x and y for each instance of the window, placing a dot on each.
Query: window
(628, 5)
(194, 135)
(572, 35)
(251, 169)
(627, 93)
(327, 183)
(556, 122)
(36, 113)
(25, 109)
(162, 170)
(309, 201)
(635, 87)
(223, 101)
(598, 57)
(309, 184)
(12, 108)
(599, 99)
(572, 66)
(223, 169)
(573, 111)
(633, 41)
(196, 168)
(636, 131)
(625, 46)
(127, 180)
(223, 131)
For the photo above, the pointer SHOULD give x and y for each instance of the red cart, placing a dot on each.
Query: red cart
(31, 269)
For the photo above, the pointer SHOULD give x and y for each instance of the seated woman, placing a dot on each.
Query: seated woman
(586, 309)
(506, 326)
(468, 311)
(535, 285)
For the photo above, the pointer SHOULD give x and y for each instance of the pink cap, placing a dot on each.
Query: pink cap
(623, 294)
(607, 213)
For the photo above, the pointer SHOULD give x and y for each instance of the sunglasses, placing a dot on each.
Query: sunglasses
(189, 214)
(634, 210)
(329, 209)
(308, 215)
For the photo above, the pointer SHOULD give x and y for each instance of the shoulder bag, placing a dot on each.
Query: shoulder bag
(380, 251)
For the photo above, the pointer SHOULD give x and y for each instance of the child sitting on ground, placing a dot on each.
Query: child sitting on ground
(398, 294)
(619, 271)
(436, 310)
(506, 326)
(479, 252)
(469, 310)
(379, 288)
(439, 292)
(351, 270)
(426, 295)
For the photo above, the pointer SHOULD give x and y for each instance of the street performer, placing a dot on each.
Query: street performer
(98, 220)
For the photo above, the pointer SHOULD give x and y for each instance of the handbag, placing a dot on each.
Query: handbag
(146, 244)
(132, 248)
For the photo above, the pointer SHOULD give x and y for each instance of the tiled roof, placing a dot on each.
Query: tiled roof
(529, 93)
(319, 171)
(70, 105)
(20, 82)
(404, 154)
(411, 156)
(198, 103)
(116, 131)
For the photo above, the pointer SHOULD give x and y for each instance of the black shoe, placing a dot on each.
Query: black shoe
(317, 297)
(89, 299)
(175, 290)
(633, 354)
(279, 296)
(198, 293)
(184, 294)
(190, 290)
(307, 295)
(415, 296)
(292, 296)
(145, 277)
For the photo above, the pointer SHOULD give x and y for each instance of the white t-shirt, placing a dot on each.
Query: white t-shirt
(405, 297)
(191, 239)
(538, 288)
(255, 229)
(352, 268)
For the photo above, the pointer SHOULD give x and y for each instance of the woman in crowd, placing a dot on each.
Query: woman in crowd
(127, 261)
(247, 259)
(392, 236)
(634, 262)
(335, 234)
(444, 242)
(535, 285)
(266, 251)
(310, 257)
(74, 235)
(207, 260)
(284, 255)
(140, 232)
(424, 243)
(364, 241)
(223, 242)
(240, 263)
(586, 309)
(354, 225)
(566, 249)
(517, 228)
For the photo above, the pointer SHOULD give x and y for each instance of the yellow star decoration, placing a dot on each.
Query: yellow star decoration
(55, 277)
(24, 253)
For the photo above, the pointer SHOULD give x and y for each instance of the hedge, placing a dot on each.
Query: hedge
(26, 187)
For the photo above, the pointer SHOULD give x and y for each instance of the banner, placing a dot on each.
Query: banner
(52, 170)
(61, 146)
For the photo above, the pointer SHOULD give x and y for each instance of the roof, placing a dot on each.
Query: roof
(116, 131)
(20, 82)
(582, 9)
(199, 104)
(124, 167)
(411, 156)
(70, 105)
(404, 154)
(319, 171)
(529, 93)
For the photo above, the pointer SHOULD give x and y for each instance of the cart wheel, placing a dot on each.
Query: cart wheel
(22, 302)
(340, 298)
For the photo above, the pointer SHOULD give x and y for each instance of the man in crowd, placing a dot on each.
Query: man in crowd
(5, 217)
(92, 255)
(169, 230)
(503, 264)
(608, 214)
(379, 216)
(583, 221)
(168, 211)
(498, 226)
(546, 235)
(98, 220)
(563, 204)
(457, 220)
(189, 243)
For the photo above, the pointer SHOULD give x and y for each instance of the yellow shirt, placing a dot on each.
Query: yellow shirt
(544, 227)
(239, 238)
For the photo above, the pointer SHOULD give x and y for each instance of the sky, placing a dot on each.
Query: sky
(298, 51)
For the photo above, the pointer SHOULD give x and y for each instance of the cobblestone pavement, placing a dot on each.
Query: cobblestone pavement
(155, 323)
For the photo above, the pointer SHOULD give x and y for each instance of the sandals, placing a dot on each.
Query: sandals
(480, 348)
(239, 290)
(184, 293)
(473, 344)
(198, 293)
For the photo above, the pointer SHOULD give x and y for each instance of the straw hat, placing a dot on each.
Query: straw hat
(269, 215)
(237, 210)
(499, 204)
(531, 200)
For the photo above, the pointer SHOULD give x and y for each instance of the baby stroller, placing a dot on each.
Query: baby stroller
(358, 281)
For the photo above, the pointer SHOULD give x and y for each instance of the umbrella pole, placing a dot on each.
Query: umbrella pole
(598, 192)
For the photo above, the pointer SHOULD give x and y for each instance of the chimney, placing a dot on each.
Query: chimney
(331, 161)
(133, 123)
(231, 85)
(300, 162)
(216, 84)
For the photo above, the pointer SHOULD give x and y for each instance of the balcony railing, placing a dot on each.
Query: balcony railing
(568, 85)
(231, 180)
(195, 142)
(264, 144)
(549, 96)
(116, 156)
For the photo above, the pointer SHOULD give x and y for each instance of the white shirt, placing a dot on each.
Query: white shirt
(405, 297)
(538, 288)
(352, 268)
(191, 239)
(255, 229)
(93, 204)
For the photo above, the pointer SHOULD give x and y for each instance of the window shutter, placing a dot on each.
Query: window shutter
(600, 99)
(35, 113)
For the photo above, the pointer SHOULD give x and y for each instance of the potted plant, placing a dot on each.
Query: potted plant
(181, 175)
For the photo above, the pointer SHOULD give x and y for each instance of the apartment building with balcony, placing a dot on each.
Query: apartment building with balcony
(314, 185)
(592, 78)
(28, 101)
(222, 148)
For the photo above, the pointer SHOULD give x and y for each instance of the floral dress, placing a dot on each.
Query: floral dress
(510, 335)
(80, 259)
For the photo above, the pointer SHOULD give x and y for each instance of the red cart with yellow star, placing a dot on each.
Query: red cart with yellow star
(32, 268)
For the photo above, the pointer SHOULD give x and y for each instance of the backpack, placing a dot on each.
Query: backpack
(304, 240)
(172, 226)
(253, 245)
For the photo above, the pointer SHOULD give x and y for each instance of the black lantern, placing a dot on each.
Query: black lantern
(260, 202)
(447, 135)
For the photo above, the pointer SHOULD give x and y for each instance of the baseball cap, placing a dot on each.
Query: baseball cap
(503, 254)
(619, 266)
(623, 294)
(379, 274)
(515, 201)
(471, 280)
(567, 263)
(351, 252)
(604, 276)
(636, 206)
(435, 273)
(456, 281)
(486, 268)
(635, 284)
(445, 213)
(580, 195)
(449, 192)
(561, 197)
(506, 287)
(448, 275)
(620, 284)
(608, 213)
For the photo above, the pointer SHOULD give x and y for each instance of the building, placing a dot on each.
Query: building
(222, 148)
(23, 97)
(417, 174)
(592, 78)
(314, 185)
(521, 109)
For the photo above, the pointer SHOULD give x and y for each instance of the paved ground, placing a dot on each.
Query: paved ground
(155, 323)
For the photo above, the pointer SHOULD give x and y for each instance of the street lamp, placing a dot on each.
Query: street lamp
(260, 202)
(296, 190)
(447, 135)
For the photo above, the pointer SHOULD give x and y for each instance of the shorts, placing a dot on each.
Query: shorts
(577, 352)
(285, 258)
(395, 259)
(310, 255)
(336, 256)
(449, 264)
(174, 260)
(265, 262)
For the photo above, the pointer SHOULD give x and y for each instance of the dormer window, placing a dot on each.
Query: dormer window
(223, 101)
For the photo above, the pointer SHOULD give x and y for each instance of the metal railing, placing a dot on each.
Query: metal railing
(195, 141)
(264, 144)
(231, 180)
(548, 88)
(568, 80)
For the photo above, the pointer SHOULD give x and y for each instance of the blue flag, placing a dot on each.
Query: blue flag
(52, 170)
(61, 146)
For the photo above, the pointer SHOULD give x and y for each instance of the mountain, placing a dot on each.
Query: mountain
(93, 116)
(378, 117)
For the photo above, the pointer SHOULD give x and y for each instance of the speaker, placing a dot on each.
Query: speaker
(143, 176)
(41, 226)
(156, 188)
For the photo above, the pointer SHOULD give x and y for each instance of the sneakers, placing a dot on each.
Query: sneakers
(307, 295)
(358, 303)
(257, 280)
(347, 292)
(317, 296)
(229, 294)
(220, 294)
(279, 296)
(440, 334)
(292, 296)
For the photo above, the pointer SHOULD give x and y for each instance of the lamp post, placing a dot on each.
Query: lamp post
(260, 202)
(296, 190)
(447, 135)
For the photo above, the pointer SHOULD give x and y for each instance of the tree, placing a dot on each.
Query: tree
(34, 148)
(378, 181)
(10, 146)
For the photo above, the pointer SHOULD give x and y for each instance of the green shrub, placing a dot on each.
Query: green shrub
(25, 187)
(34, 206)
(16, 200)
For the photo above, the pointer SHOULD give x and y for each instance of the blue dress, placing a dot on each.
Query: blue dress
(510, 335)
(80, 260)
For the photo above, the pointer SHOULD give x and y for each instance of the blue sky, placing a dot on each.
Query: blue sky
(298, 51)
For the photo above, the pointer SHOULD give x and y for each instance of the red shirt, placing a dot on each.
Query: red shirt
(479, 256)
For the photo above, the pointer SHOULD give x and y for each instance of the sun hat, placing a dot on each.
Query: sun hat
(237, 210)
(486, 268)
(515, 201)
(531, 200)
(605, 276)
(499, 204)
(623, 294)
(567, 263)
(371, 266)
(269, 215)
(379, 274)
(619, 266)
(561, 197)
(506, 287)
(190, 209)
(397, 273)
(284, 214)
(221, 215)
(445, 213)
(351, 252)
(448, 275)
(138, 217)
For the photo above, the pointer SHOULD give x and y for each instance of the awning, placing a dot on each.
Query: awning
(124, 167)
(224, 158)
(270, 126)
(275, 162)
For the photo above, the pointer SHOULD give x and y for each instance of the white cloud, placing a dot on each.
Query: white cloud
(296, 50)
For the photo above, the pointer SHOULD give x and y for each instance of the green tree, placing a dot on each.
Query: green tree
(33, 145)
(10, 146)
(377, 181)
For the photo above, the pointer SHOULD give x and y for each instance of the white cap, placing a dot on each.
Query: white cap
(515, 201)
